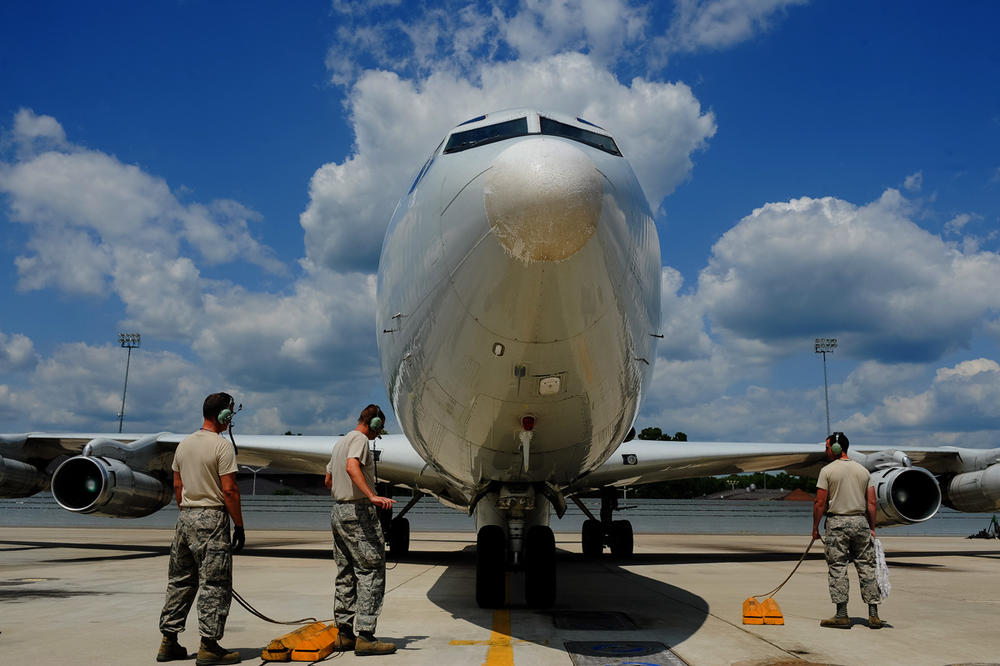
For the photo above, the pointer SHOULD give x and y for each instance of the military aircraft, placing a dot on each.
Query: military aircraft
(517, 316)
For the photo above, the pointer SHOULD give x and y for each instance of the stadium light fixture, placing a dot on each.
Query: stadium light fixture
(826, 346)
(128, 341)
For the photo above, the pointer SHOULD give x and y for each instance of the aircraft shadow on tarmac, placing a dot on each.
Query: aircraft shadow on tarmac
(596, 591)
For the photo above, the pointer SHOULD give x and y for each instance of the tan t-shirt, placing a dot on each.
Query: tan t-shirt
(352, 445)
(847, 483)
(201, 458)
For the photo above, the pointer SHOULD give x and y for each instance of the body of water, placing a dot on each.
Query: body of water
(306, 512)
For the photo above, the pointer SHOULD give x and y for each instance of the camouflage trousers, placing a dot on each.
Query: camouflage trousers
(849, 538)
(201, 561)
(359, 551)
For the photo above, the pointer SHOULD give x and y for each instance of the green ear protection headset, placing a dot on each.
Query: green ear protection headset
(835, 447)
(375, 424)
(225, 417)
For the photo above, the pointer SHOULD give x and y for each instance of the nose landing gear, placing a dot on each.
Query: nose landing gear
(540, 567)
(514, 536)
(491, 567)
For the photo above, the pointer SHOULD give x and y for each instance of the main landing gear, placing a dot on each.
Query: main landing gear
(616, 534)
(397, 530)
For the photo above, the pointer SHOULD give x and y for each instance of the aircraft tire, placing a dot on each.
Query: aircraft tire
(622, 543)
(399, 537)
(540, 567)
(592, 538)
(491, 561)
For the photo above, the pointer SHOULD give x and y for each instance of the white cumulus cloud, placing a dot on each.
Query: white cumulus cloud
(456, 35)
(33, 132)
(866, 274)
(96, 225)
(397, 122)
(717, 24)
(914, 181)
(17, 352)
(961, 402)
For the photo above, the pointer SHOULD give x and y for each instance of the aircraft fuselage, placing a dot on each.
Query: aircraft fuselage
(519, 278)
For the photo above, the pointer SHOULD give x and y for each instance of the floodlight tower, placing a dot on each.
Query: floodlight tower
(826, 346)
(128, 341)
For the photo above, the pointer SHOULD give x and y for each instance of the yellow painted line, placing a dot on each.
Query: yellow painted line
(501, 645)
(514, 641)
(501, 652)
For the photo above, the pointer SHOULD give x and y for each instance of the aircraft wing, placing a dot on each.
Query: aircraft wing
(136, 467)
(647, 461)
(397, 462)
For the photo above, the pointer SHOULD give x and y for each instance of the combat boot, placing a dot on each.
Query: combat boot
(840, 620)
(366, 645)
(170, 649)
(874, 621)
(345, 640)
(211, 653)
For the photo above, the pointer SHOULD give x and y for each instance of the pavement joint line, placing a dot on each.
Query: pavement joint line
(759, 637)
(413, 577)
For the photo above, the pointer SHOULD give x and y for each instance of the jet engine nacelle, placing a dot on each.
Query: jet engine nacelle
(905, 495)
(19, 479)
(107, 487)
(975, 491)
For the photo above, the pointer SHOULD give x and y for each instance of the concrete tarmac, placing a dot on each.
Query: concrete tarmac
(93, 596)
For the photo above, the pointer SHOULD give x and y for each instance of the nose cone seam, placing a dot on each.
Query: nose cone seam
(543, 199)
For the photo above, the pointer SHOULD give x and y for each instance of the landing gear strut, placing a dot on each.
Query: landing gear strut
(396, 530)
(617, 534)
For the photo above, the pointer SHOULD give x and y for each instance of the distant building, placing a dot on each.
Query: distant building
(798, 495)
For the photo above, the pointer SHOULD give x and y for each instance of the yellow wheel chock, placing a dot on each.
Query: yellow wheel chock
(309, 643)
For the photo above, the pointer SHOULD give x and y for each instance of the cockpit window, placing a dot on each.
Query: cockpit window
(599, 141)
(424, 168)
(480, 136)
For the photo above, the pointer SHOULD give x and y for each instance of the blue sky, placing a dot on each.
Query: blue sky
(218, 176)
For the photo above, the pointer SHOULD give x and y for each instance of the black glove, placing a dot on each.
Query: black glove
(239, 538)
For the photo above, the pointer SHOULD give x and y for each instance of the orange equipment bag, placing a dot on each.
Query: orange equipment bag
(309, 643)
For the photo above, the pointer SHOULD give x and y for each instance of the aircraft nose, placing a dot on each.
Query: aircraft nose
(543, 199)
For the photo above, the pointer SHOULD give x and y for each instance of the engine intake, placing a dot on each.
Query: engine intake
(975, 491)
(19, 479)
(107, 487)
(905, 495)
